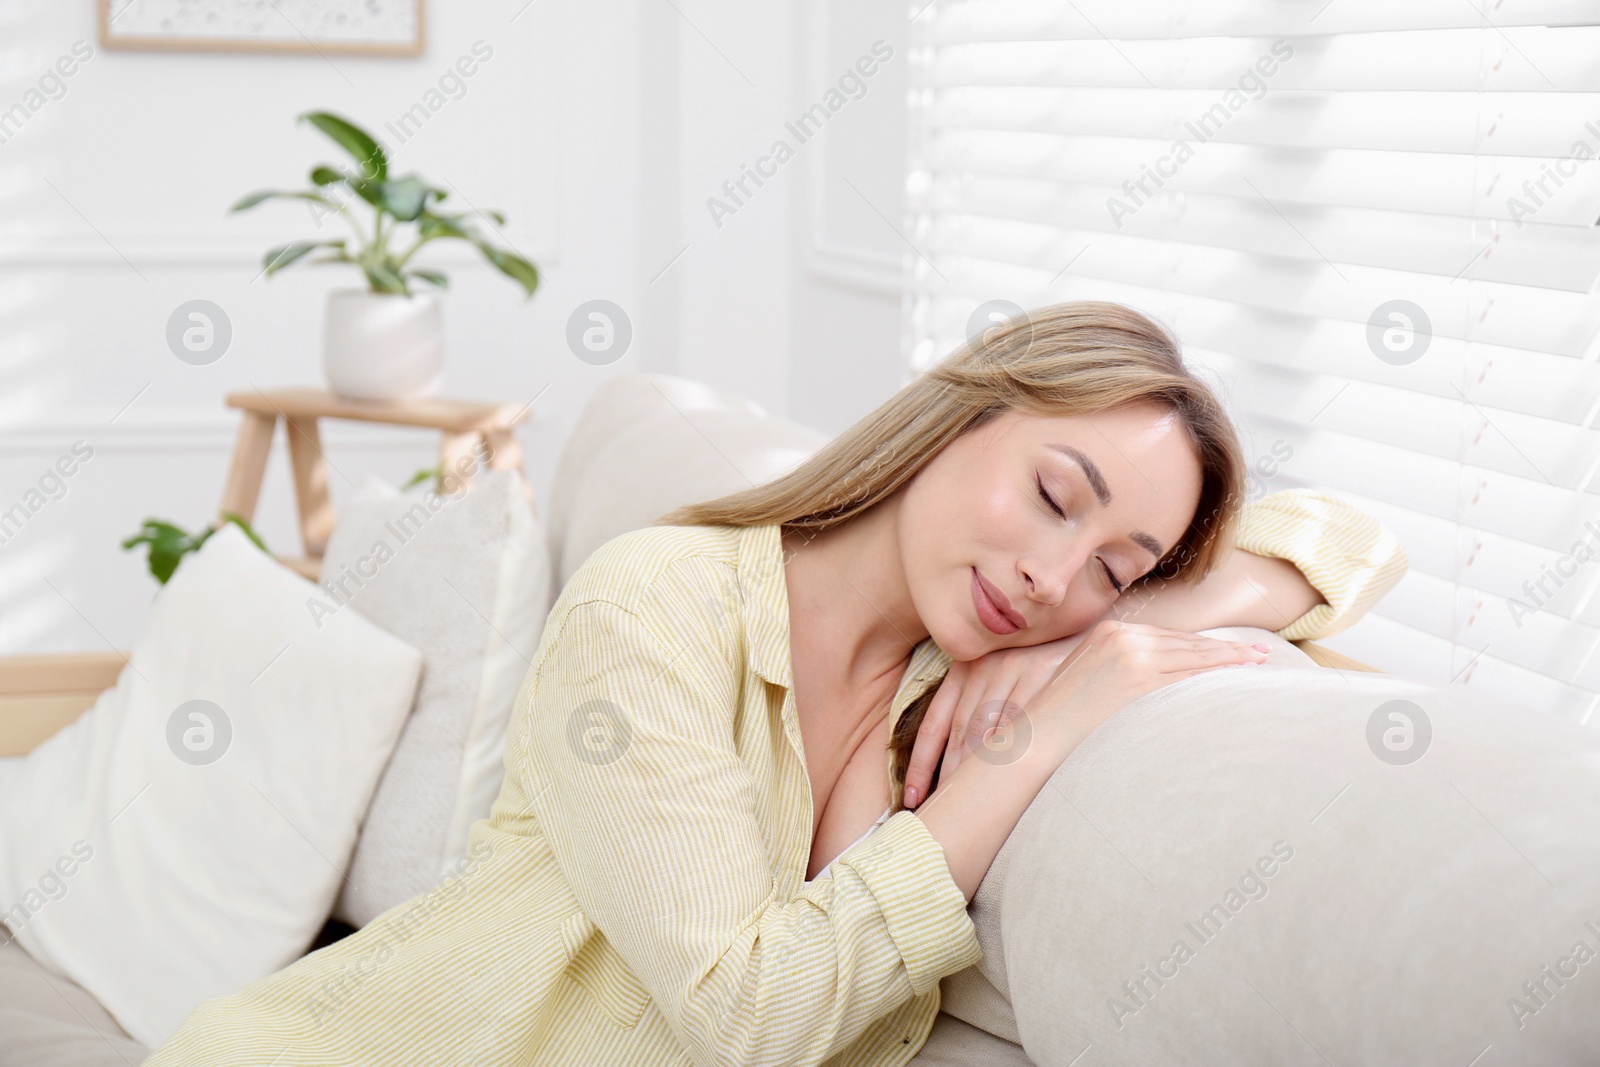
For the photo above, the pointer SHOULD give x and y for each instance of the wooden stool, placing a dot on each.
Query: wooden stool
(463, 424)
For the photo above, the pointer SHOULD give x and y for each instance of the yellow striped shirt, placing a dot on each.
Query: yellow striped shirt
(637, 894)
(1350, 557)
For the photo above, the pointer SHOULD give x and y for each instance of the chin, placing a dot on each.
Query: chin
(964, 637)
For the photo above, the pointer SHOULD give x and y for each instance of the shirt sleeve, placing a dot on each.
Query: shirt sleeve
(1351, 558)
(651, 813)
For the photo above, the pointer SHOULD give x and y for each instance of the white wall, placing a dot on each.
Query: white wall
(849, 244)
(599, 128)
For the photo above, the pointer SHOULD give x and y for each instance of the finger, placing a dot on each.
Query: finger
(1032, 684)
(1178, 641)
(1220, 651)
(961, 722)
(1176, 660)
(1162, 647)
(1168, 638)
(1175, 675)
(995, 704)
(932, 736)
(973, 694)
(1167, 631)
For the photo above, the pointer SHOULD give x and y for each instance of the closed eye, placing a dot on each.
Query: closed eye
(1047, 498)
(1050, 502)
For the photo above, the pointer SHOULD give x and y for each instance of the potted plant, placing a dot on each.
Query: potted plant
(169, 543)
(383, 342)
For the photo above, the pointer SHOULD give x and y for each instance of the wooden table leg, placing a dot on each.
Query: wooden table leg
(250, 454)
(310, 484)
(457, 461)
(505, 453)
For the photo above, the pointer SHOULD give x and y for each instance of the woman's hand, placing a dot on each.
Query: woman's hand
(1086, 676)
(977, 697)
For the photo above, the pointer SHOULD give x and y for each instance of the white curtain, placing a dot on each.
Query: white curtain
(1373, 224)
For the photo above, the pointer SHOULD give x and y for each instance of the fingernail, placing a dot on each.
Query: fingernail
(1261, 646)
(911, 796)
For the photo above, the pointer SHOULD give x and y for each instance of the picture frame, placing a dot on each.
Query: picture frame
(315, 27)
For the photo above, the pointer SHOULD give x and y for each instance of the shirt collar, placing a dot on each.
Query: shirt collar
(765, 603)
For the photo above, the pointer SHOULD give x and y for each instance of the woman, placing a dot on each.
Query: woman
(699, 854)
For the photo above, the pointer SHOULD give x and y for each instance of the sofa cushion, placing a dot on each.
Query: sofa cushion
(980, 995)
(672, 458)
(1304, 866)
(953, 1043)
(464, 577)
(186, 835)
(48, 1020)
(613, 407)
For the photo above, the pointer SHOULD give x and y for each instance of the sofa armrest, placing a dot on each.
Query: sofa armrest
(1327, 657)
(41, 694)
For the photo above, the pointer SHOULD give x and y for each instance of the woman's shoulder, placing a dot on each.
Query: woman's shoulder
(652, 561)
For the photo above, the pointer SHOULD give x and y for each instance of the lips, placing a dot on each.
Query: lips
(994, 610)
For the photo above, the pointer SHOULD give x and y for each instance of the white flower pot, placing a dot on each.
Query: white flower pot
(383, 346)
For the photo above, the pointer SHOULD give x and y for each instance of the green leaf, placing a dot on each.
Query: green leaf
(404, 198)
(268, 194)
(152, 531)
(371, 192)
(278, 258)
(432, 277)
(422, 475)
(353, 139)
(169, 543)
(431, 226)
(323, 175)
(243, 524)
(250, 201)
(385, 279)
(512, 266)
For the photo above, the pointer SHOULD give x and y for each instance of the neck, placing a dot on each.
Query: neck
(849, 583)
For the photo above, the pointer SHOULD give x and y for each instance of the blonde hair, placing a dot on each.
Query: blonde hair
(1079, 358)
(1065, 359)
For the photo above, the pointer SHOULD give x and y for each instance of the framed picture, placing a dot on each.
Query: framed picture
(362, 27)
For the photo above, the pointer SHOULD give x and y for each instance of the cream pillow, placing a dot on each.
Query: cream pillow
(185, 836)
(615, 406)
(664, 461)
(465, 578)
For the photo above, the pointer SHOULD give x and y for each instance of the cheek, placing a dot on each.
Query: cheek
(922, 549)
(992, 498)
(998, 512)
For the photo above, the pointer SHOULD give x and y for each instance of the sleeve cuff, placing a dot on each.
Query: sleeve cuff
(904, 868)
(1351, 558)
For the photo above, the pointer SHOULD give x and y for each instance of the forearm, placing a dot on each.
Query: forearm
(1246, 590)
(974, 810)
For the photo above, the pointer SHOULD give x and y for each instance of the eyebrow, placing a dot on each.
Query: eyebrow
(1102, 492)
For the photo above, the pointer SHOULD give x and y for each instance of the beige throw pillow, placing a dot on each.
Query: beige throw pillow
(464, 578)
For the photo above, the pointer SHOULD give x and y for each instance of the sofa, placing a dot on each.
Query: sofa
(644, 445)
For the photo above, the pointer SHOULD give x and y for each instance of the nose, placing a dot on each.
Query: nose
(1047, 579)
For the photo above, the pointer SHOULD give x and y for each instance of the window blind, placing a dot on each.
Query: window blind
(1371, 225)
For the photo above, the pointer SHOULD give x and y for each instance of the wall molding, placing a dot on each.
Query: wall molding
(851, 266)
(183, 434)
(202, 250)
(870, 271)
